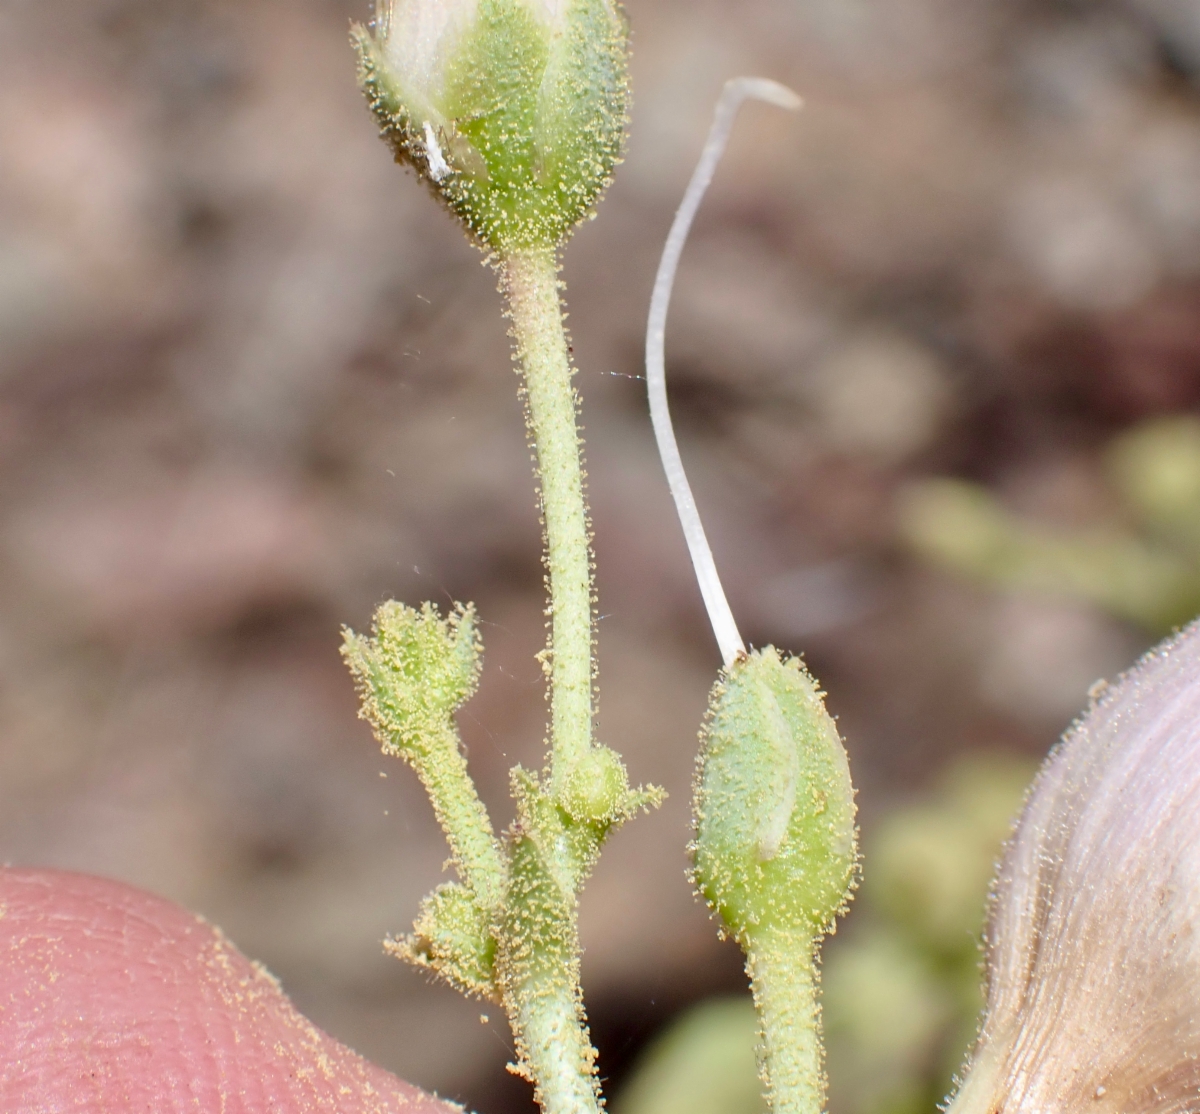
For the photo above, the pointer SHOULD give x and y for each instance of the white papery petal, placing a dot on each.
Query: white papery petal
(1093, 959)
(419, 38)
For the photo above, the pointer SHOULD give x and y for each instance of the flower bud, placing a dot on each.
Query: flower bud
(1093, 956)
(413, 673)
(775, 844)
(513, 110)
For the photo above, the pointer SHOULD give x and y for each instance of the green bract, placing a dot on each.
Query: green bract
(513, 110)
(453, 938)
(774, 808)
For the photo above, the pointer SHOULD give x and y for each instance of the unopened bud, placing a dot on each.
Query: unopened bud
(514, 110)
(597, 789)
(774, 807)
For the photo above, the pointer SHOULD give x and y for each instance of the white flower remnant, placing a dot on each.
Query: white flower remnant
(514, 111)
(1093, 956)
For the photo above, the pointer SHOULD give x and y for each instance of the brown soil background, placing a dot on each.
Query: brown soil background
(252, 382)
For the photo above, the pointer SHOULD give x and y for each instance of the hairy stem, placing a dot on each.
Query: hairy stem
(540, 983)
(538, 938)
(530, 280)
(782, 967)
(463, 818)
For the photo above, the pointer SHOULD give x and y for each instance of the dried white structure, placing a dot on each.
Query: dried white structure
(736, 92)
(1093, 956)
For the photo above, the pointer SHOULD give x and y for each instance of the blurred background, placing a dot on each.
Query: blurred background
(932, 358)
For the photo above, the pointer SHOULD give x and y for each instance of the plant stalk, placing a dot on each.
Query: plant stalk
(463, 817)
(538, 938)
(540, 984)
(530, 281)
(781, 963)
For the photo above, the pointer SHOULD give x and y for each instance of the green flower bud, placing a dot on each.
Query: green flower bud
(597, 789)
(774, 807)
(413, 673)
(513, 110)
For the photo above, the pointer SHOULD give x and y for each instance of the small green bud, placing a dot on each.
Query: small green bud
(414, 671)
(774, 807)
(597, 789)
(452, 937)
(412, 674)
(513, 110)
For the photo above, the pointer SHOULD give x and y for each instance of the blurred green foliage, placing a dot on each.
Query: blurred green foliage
(902, 985)
(1143, 567)
(702, 1064)
(903, 992)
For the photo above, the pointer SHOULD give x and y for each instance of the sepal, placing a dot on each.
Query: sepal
(452, 937)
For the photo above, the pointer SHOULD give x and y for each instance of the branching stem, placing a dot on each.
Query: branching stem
(538, 939)
(540, 985)
(463, 818)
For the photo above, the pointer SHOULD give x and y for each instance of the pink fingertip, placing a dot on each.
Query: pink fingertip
(113, 1000)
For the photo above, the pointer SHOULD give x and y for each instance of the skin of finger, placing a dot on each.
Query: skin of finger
(114, 1000)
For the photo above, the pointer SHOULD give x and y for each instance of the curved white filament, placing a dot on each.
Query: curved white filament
(734, 93)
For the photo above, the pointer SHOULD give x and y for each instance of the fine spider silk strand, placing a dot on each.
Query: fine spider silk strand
(735, 92)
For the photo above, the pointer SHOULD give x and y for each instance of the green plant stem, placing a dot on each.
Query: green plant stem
(539, 936)
(462, 816)
(530, 280)
(782, 968)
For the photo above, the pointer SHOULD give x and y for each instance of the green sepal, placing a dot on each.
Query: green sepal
(452, 936)
(775, 843)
